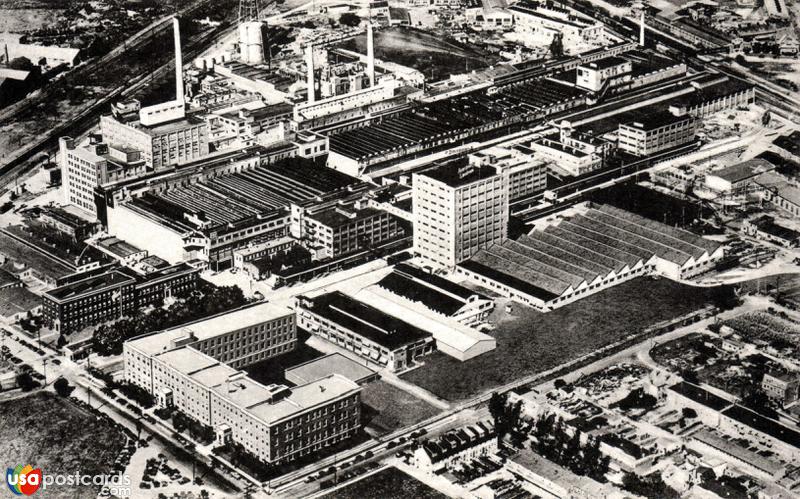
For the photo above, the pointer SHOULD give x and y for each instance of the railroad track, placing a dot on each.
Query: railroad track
(19, 165)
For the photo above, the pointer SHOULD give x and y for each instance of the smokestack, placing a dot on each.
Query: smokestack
(641, 29)
(176, 30)
(7, 59)
(310, 65)
(370, 56)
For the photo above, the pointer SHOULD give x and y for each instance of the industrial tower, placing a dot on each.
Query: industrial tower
(252, 33)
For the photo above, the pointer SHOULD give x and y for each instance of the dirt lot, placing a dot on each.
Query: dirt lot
(51, 433)
(533, 342)
(390, 483)
(387, 408)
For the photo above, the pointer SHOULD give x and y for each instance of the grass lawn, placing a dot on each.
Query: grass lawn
(387, 408)
(390, 483)
(51, 433)
(533, 341)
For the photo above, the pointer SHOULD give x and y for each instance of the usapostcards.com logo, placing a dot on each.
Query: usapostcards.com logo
(23, 480)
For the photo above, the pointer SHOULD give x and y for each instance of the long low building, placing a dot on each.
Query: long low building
(587, 252)
(190, 369)
(437, 294)
(379, 338)
(454, 339)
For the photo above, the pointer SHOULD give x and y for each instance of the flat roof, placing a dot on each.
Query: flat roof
(90, 285)
(732, 448)
(744, 170)
(323, 367)
(764, 424)
(16, 300)
(337, 216)
(657, 120)
(268, 403)
(367, 321)
(606, 62)
(556, 474)
(457, 175)
(208, 328)
(304, 397)
(701, 396)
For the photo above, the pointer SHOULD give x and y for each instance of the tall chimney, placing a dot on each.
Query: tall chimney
(310, 65)
(370, 56)
(7, 59)
(176, 30)
(641, 28)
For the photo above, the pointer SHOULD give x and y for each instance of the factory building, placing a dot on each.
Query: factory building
(333, 231)
(162, 145)
(11, 47)
(540, 23)
(88, 165)
(609, 70)
(379, 338)
(567, 159)
(458, 209)
(216, 206)
(581, 254)
(190, 368)
(526, 170)
(655, 133)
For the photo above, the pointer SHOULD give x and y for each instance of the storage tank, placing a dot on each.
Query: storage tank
(251, 42)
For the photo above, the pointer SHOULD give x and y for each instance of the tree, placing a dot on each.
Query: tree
(26, 381)
(649, 486)
(62, 387)
(505, 415)
(690, 376)
(758, 401)
(349, 19)
(21, 63)
(557, 46)
(689, 413)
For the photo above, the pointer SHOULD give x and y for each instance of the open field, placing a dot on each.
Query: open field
(533, 342)
(51, 433)
(425, 52)
(387, 408)
(390, 483)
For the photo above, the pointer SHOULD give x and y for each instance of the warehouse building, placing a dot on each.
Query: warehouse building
(582, 254)
(379, 338)
(437, 294)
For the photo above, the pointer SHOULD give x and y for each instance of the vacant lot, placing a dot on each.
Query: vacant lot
(387, 408)
(533, 341)
(390, 483)
(51, 433)
(434, 56)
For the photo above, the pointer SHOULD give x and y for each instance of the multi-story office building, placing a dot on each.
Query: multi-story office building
(458, 210)
(84, 167)
(348, 227)
(238, 338)
(656, 132)
(526, 171)
(89, 301)
(111, 295)
(383, 340)
(190, 368)
(163, 144)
